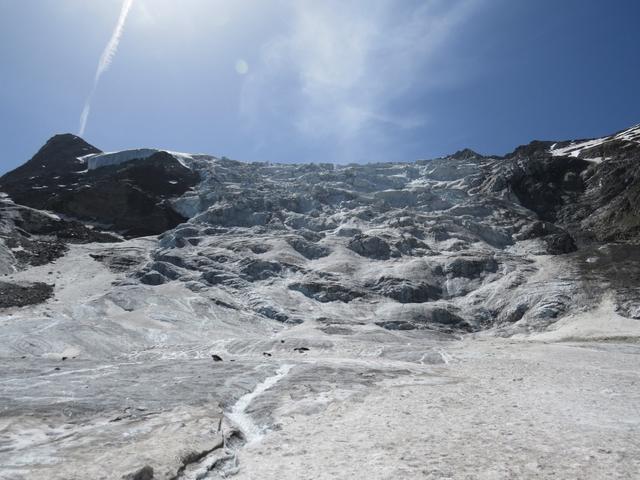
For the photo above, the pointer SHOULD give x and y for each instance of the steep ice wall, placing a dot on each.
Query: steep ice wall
(116, 158)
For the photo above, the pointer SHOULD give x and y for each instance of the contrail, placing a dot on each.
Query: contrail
(105, 61)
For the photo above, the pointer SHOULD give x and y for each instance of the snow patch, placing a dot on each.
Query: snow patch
(631, 134)
(574, 149)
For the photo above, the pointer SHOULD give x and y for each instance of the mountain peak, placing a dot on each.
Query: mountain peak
(465, 154)
(66, 144)
(59, 155)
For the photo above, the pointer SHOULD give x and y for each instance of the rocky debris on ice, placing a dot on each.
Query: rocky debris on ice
(21, 294)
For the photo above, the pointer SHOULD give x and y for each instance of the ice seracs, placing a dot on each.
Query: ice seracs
(106, 159)
(116, 158)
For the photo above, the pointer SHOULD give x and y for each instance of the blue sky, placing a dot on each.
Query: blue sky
(311, 80)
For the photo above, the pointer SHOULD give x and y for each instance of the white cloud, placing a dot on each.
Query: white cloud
(344, 63)
(104, 63)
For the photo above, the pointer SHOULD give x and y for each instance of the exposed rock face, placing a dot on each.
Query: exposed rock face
(60, 156)
(588, 187)
(545, 183)
(131, 198)
(612, 193)
(32, 237)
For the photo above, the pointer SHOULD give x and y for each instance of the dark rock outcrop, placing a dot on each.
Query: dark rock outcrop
(557, 240)
(611, 208)
(370, 247)
(60, 156)
(544, 183)
(253, 269)
(145, 473)
(24, 293)
(326, 291)
(470, 267)
(589, 188)
(406, 291)
(307, 249)
(431, 317)
(131, 197)
(37, 238)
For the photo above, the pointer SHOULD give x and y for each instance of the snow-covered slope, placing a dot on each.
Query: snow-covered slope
(576, 148)
(160, 313)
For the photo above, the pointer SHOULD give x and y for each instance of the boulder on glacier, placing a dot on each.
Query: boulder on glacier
(406, 291)
(326, 291)
(470, 267)
(370, 246)
(420, 316)
(309, 250)
(255, 269)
